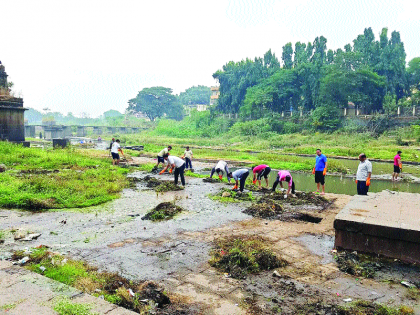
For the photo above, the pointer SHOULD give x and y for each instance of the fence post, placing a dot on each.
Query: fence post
(414, 110)
(282, 114)
(345, 111)
(399, 111)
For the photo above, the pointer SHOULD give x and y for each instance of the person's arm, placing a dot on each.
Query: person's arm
(212, 172)
(227, 172)
(164, 169)
(369, 169)
(325, 168)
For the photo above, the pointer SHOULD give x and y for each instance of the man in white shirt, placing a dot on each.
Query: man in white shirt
(219, 168)
(160, 155)
(364, 172)
(175, 163)
(115, 148)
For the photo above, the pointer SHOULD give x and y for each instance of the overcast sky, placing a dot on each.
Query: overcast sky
(94, 55)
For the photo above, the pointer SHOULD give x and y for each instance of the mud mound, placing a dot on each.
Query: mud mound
(241, 255)
(228, 195)
(255, 188)
(150, 290)
(167, 186)
(211, 180)
(163, 211)
(302, 198)
(151, 182)
(265, 210)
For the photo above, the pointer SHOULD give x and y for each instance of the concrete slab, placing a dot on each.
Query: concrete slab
(385, 223)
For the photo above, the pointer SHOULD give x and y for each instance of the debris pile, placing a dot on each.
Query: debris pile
(160, 185)
(265, 209)
(163, 211)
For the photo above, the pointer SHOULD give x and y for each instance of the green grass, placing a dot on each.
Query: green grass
(233, 198)
(2, 235)
(39, 179)
(7, 307)
(370, 308)
(66, 307)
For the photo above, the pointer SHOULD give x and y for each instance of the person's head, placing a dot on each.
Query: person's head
(188, 148)
(118, 140)
(169, 148)
(229, 174)
(113, 139)
(288, 179)
(254, 166)
(399, 152)
(362, 157)
(165, 156)
(318, 152)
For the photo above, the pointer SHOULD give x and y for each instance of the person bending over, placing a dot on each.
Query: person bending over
(261, 171)
(240, 177)
(284, 176)
(220, 167)
(161, 154)
(177, 166)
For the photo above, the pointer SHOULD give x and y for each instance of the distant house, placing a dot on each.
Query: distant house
(198, 107)
(214, 95)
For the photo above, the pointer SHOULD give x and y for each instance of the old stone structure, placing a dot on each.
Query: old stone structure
(12, 126)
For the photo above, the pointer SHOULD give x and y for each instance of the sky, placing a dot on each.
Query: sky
(90, 56)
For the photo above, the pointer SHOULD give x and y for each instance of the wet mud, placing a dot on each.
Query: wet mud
(157, 184)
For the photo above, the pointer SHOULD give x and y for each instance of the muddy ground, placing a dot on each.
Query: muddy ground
(175, 252)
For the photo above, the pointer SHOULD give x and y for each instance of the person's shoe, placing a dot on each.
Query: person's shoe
(322, 193)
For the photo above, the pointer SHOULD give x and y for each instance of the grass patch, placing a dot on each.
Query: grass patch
(240, 255)
(163, 211)
(413, 294)
(357, 265)
(66, 307)
(2, 236)
(38, 179)
(7, 307)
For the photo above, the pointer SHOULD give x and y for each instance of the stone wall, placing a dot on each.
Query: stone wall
(12, 127)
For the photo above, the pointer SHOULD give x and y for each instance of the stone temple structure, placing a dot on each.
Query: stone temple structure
(12, 127)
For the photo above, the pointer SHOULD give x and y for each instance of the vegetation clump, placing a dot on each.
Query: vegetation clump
(357, 265)
(163, 211)
(160, 185)
(66, 307)
(228, 195)
(265, 209)
(240, 255)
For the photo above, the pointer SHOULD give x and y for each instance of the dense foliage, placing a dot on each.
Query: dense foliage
(195, 95)
(312, 78)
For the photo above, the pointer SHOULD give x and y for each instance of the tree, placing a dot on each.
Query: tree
(195, 95)
(287, 56)
(112, 113)
(155, 102)
(413, 72)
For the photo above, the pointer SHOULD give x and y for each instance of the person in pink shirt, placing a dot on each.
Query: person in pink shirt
(284, 176)
(397, 166)
(261, 171)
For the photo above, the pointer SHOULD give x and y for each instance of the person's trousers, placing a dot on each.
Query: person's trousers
(276, 183)
(188, 161)
(242, 181)
(362, 189)
(179, 171)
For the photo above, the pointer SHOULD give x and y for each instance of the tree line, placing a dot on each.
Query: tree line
(370, 73)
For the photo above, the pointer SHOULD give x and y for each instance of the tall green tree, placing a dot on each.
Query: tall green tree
(155, 102)
(195, 95)
(287, 56)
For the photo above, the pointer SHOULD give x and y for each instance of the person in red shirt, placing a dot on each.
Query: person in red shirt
(260, 171)
(397, 166)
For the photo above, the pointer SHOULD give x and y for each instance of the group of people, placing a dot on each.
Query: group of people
(178, 165)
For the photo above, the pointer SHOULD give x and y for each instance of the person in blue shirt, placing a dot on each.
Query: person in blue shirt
(240, 177)
(320, 170)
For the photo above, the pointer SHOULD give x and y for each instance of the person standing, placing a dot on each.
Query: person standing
(219, 168)
(188, 157)
(161, 154)
(364, 172)
(320, 170)
(177, 165)
(286, 177)
(110, 145)
(115, 149)
(260, 171)
(397, 166)
(240, 177)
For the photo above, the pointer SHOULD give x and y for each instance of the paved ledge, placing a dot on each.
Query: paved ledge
(386, 223)
(31, 293)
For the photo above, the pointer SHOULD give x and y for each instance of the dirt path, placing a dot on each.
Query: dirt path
(175, 252)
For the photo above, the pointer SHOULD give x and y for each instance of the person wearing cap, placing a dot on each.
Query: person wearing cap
(260, 171)
(364, 172)
(187, 156)
(240, 177)
(161, 154)
(219, 168)
(397, 166)
(177, 165)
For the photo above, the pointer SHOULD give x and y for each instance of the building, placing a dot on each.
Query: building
(214, 95)
(198, 107)
(12, 124)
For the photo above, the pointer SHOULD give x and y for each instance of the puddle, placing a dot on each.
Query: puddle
(320, 245)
